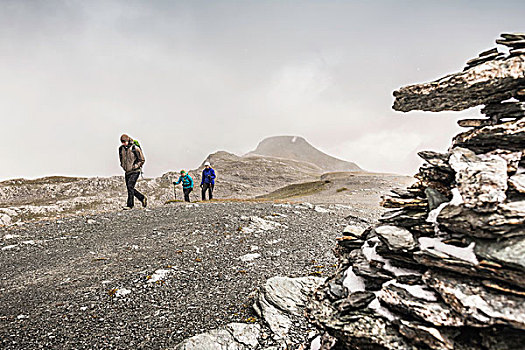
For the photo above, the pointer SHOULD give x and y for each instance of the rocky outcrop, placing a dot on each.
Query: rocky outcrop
(279, 304)
(444, 267)
(489, 80)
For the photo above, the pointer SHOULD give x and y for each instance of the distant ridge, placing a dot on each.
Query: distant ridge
(297, 148)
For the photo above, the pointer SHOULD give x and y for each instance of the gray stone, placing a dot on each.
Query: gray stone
(280, 297)
(355, 301)
(510, 109)
(485, 269)
(429, 336)
(502, 339)
(507, 136)
(471, 299)
(397, 202)
(489, 52)
(247, 334)
(517, 182)
(354, 231)
(396, 238)
(478, 60)
(510, 251)
(516, 52)
(368, 332)
(337, 291)
(474, 123)
(512, 158)
(513, 36)
(404, 217)
(492, 81)
(517, 43)
(290, 294)
(419, 303)
(434, 198)
(435, 158)
(276, 319)
(235, 336)
(481, 179)
(507, 220)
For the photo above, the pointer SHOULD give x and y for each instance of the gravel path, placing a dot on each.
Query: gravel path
(63, 284)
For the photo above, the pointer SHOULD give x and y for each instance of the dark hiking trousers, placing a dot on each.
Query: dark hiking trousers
(187, 193)
(209, 187)
(131, 180)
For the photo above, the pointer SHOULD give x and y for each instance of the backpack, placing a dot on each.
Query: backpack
(137, 144)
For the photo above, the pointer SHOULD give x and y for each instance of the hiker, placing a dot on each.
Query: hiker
(187, 184)
(131, 160)
(207, 180)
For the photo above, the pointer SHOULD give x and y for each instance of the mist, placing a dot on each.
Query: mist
(190, 78)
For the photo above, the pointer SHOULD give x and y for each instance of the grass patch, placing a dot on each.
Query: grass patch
(173, 201)
(296, 190)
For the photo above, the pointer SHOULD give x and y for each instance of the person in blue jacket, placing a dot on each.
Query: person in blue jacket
(187, 184)
(207, 181)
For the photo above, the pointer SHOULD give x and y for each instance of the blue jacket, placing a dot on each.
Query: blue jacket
(208, 176)
(187, 181)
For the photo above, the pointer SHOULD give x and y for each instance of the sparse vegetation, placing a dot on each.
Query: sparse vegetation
(342, 189)
(295, 190)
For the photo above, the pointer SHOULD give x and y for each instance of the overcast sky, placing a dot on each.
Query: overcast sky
(188, 78)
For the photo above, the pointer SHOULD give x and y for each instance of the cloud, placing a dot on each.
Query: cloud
(385, 149)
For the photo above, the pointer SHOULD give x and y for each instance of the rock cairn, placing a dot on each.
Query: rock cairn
(445, 266)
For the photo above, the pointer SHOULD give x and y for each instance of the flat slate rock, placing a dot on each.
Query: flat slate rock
(507, 220)
(396, 238)
(432, 337)
(510, 251)
(489, 52)
(419, 305)
(492, 81)
(517, 182)
(506, 136)
(511, 43)
(471, 299)
(513, 36)
(474, 123)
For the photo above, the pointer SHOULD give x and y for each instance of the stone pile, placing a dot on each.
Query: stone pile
(515, 42)
(485, 56)
(445, 266)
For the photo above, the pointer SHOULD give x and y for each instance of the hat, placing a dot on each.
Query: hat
(183, 171)
(207, 163)
(124, 138)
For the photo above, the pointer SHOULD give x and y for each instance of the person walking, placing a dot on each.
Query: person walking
(207, 181)
(187, 184)
(131, 160)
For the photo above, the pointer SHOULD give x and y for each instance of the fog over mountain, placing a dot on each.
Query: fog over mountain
(187, 78)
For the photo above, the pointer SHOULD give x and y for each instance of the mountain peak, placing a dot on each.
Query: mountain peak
(297, 148)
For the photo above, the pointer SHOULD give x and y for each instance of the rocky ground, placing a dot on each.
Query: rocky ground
(151, 278)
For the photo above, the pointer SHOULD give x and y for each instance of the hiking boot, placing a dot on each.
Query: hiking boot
(145, 202)
(127, 208)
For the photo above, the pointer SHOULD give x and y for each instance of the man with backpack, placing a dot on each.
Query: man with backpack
(187, 184)
(207, 181)
(131, 160)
